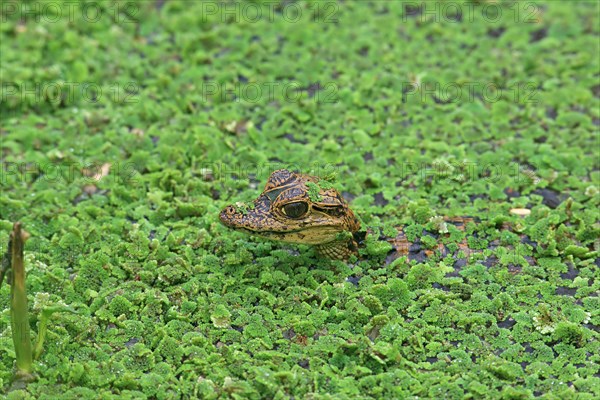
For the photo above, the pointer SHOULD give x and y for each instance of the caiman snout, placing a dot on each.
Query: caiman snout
(227, 216)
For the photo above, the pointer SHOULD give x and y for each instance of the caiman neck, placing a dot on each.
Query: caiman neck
(345, 246)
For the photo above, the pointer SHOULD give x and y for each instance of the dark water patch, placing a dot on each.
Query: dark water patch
(565, 291)
(514, 269)
(348, 196)
(571, 274)
(413, 10)
(380, 200)
(530, 260)
(436, 285)
(131, 342)
(496, 32)
(391, 256)
(430, 234)
(288, 334)
(490, 261)
(507, 323)
(526, 240)
(512, 193)
(474, 197)
(415, 247)
(458, 265)
(311, 89)
(293, 139)
(550, 197)
(353, 280)
(538, 35)
(419, 257)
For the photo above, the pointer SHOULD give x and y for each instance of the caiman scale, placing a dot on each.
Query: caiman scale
(299, 208)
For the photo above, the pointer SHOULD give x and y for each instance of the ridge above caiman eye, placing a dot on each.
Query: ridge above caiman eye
(334, 211)
(295, 210)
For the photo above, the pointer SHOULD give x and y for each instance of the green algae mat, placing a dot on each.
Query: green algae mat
(127, 126)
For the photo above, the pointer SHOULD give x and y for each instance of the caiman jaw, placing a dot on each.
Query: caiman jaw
(294, 208)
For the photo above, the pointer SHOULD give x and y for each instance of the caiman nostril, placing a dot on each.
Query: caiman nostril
(226, 215)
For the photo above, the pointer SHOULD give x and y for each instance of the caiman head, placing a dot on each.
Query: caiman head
(298, 208)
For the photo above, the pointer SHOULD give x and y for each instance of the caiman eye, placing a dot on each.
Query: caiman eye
(295, 210)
